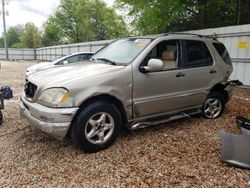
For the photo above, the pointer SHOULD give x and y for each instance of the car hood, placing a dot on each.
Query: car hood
(58, 76)
(40, 66)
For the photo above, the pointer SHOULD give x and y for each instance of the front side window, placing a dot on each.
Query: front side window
(197, 54)
(73, 59)
(69, 58)
(122, 51)
(59, 61)
(167, 51)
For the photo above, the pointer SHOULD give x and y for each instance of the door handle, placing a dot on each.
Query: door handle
(180, 75)
(212, 71)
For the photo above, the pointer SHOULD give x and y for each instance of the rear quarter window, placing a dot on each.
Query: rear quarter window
(222, 51)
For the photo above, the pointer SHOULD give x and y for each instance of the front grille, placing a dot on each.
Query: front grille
(30, 90)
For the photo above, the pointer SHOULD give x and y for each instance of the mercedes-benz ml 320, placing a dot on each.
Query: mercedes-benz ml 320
(132, 82)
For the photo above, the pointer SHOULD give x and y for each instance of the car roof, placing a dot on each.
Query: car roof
(82, 53)
(179, 34)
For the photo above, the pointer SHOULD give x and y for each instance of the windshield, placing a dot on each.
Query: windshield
(122, 51)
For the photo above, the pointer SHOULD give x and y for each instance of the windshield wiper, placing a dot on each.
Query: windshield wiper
(107, 60)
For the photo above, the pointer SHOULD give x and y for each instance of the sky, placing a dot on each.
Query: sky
(36, 11)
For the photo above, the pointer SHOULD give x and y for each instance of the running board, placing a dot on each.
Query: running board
(141, 125)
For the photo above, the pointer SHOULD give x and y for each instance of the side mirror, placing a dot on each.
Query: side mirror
(154, 65)
(65, 62)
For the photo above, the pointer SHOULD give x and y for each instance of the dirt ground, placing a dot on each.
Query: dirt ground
(183, 153)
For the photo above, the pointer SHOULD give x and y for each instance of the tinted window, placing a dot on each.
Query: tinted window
(198, 54)
(207, 54)
(223, 52)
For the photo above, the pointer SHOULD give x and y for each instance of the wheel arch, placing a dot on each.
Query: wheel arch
(221, 89)
(108, 98)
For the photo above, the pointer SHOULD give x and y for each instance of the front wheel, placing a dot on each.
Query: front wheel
(96, 126)
(213, 106)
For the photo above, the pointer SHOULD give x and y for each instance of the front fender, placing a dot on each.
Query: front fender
(123, 97)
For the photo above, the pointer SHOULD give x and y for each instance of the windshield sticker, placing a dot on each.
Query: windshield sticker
(141, 43)
(142, 40)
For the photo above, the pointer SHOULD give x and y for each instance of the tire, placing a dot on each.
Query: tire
(213, 106)
(96, 126)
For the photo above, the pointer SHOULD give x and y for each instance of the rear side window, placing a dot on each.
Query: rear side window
(197, 54)
(223, 52)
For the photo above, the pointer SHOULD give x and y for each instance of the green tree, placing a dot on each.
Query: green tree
(52, 34)
(102, 23)
(242, 12)
(212, 13)
(31, 37)
(13, 35)
(1, 43)
(67, 20)
(151, 17)
(84, 20)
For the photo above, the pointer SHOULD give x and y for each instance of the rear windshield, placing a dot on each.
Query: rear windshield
(223, 52)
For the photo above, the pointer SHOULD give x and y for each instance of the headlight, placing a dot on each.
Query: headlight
(55, 97)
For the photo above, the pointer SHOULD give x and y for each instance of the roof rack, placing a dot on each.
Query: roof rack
(191, 34)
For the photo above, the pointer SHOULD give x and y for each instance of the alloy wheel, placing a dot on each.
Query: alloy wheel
(212, 108)
(99, 128)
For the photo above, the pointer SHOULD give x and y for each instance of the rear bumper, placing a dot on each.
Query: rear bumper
(53, 121)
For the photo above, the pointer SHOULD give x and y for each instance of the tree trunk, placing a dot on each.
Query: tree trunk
(238, 12)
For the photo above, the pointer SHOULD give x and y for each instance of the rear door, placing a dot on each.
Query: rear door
(199, 70)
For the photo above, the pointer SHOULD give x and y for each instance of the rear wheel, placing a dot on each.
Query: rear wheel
(213, 106)
(96, 126)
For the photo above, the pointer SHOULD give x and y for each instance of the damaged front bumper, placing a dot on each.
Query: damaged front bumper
(236, 148)
(53, 121)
